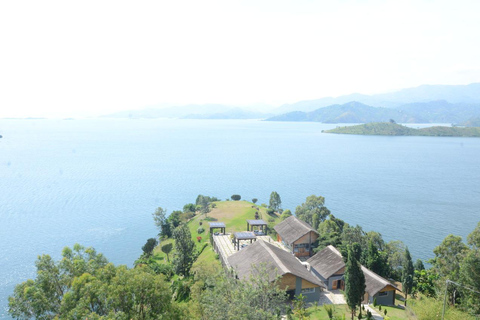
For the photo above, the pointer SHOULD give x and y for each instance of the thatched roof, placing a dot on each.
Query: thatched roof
(327, 262)
(374, 283)
(292, 229)
(277, 262)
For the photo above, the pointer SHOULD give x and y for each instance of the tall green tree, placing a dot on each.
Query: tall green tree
(167, 248)
(407, 275)
(374, 260)
(354, 282)
(448, 256)
(312, 205)
(185, 251)
(149, 246)
(275, 201)
(162, 223)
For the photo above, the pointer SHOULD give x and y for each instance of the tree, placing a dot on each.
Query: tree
(223, 297)
(236, 197)
(254, 200)
(374, 260)
(285, 214)
(163, 225)
(149, 246)
(167, 248)
(275, 201)
(174, 218)
(448, 256)
(473, 238)
(189, 207)
(407, 275)
(203, 203)
(418, 266)
(185, 252)
(354, 282)
(313, 204)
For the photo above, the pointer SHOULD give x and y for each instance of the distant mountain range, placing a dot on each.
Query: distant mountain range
(423, 104)
(356, 112)
(467, 94)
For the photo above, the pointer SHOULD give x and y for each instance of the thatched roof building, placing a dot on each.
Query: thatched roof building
(294, 276)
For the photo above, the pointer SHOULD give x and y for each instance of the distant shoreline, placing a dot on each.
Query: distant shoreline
(393, 129)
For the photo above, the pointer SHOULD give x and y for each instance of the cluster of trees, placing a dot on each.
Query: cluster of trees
(455, 272)
(83, 284)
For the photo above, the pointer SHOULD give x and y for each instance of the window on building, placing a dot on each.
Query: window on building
(308, 290)
(384, 293)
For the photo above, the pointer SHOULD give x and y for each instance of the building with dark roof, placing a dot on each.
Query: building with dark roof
(294, 276)
(296, 235)
(329, 266)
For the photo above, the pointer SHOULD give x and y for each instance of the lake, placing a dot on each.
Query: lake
(97, 181)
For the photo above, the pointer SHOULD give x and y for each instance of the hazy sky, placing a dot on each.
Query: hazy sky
(94, 57)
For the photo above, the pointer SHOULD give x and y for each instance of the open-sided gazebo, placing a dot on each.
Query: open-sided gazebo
(260, 224)
(217, 225)
(244, 235)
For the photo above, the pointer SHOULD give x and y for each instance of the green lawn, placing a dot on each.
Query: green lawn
(319, 313)
(233, 213)
(394, 313)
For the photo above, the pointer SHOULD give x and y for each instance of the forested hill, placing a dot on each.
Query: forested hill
(393, 129)
(351, 112)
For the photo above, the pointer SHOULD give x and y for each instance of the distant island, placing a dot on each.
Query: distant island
(394, 129)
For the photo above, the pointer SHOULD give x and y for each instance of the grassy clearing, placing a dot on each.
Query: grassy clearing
(393, 313)
(233, 213)
(319, 313)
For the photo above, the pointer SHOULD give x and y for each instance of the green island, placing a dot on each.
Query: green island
(394, 129)
(236, 259)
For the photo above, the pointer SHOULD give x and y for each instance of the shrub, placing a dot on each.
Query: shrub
(217, 256)
(270, 211)
(271, 220)
(236, 197)
(199, 238)
(375, 301)
(200, 223)
(200, 230)
(380, 307)
(385, 311)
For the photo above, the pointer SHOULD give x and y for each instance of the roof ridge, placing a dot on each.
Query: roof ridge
(274, 257)
(373, 274)
(335, 250)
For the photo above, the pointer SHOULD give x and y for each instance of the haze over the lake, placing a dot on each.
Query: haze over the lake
(71, 59)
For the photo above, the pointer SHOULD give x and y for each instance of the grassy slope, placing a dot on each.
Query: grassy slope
(233, 213)
(393, 129)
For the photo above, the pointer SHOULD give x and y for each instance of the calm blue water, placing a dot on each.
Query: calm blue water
(96, 182)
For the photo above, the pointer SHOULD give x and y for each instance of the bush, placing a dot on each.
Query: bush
(263, 205)
(217, 256)
(199, 238)
(200, 223)
(236, 197)
(375, 301)
(380, 307)
(271, 220)
(270, 211)
(200, 230)
(385, 311)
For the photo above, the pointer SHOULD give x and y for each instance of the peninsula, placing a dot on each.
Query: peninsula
(394, 129)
